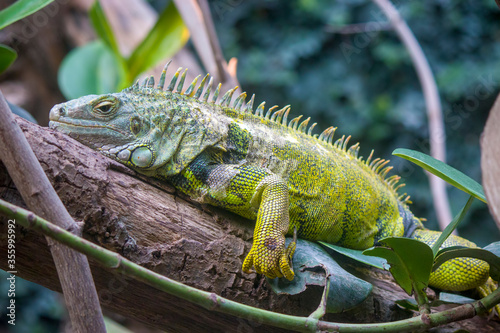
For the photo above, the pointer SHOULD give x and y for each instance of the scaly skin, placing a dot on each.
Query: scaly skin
(258, 166)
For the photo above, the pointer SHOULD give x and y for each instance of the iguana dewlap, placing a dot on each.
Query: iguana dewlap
(259, 164)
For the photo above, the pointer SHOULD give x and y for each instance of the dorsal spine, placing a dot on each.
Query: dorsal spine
(378, 166)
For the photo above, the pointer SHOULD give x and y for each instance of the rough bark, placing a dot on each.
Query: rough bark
(155, 226)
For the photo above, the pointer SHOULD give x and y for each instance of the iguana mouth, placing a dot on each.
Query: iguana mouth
(57, 118)
(83, 125)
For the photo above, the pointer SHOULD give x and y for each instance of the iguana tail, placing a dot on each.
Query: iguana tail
(461, 273)
(457, 274)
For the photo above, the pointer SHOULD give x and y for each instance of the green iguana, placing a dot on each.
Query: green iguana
(260, 165)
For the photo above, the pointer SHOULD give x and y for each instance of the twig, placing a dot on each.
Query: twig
(72, 267)
(214, 302)
(322, 308)
(196, 15)
(214, 41)
(433, 106)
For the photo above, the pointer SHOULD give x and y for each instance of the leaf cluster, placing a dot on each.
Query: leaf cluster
(99, 67)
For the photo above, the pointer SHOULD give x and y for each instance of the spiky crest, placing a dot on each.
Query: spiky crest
(378, 166)
(259, 112)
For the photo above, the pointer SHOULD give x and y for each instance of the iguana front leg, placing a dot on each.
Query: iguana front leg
(268, 254)
(252, 192)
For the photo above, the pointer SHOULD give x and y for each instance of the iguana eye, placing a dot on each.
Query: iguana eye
(105, 108)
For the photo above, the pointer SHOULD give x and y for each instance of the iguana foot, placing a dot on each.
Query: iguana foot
(270, 257)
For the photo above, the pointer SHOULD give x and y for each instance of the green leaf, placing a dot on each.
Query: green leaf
(91, 69)
(410, 260)
(450, 227)
(113, 327)
(443, 171)
(102, 27)
(20, 9)
(7, 57)
(493, 248)
(467, 252)
(357, 255)
(346, 291)
(164, 40)
(408, 303)
(447, 298)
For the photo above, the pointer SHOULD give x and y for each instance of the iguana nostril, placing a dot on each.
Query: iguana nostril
(62, 111)
(56, 112)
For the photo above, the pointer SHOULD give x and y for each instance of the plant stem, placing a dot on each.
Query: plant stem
(321, 310)
(422, 301)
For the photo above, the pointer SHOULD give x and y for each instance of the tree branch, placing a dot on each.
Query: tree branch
(196, 15)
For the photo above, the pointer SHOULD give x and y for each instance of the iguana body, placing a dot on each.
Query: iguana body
(259, 165)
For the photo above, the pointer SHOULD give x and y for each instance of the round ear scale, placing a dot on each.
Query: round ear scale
(142, 157)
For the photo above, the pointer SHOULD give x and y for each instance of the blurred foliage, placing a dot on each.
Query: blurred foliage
(364, 83)
(11, 14)
(19, 10)
(7, 57)
(99, 67)
(90, 69)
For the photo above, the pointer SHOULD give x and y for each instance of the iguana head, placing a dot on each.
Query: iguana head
(151, 130)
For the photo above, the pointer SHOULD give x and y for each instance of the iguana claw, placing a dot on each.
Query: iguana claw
(271, 260)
